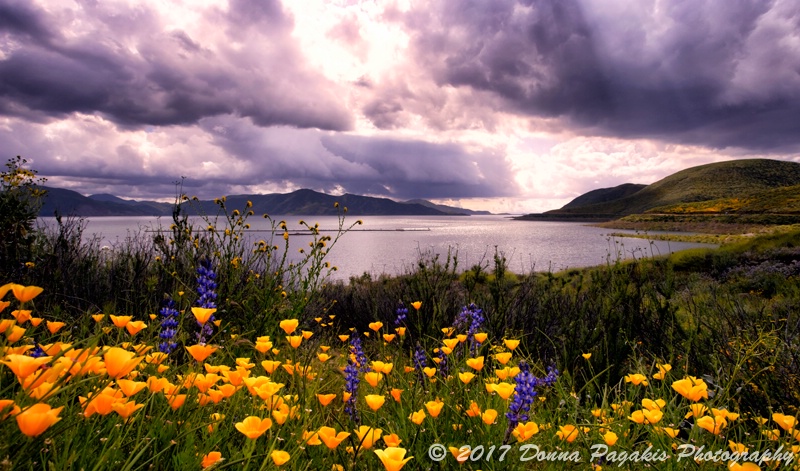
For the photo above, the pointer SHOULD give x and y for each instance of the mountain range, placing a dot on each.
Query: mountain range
(749, 186)
(300, 202)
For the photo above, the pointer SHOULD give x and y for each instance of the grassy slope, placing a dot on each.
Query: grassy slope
(739, 178)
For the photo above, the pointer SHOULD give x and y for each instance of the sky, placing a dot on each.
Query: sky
(504, 105)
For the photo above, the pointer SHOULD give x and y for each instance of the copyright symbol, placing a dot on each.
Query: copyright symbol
(437, 452)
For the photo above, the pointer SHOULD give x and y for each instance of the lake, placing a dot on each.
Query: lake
(392, 244)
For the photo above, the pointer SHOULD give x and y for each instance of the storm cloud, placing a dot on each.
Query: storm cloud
(126, 64)
(715, 73)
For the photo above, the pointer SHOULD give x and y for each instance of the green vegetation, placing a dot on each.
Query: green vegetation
(754, 192)
(696, 349)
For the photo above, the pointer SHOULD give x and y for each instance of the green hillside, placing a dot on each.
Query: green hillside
(723, 180)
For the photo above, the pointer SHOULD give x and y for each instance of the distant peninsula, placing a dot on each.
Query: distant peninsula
(742, 192)
(59, 201)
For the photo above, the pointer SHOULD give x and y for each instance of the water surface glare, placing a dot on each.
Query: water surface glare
(392, 244)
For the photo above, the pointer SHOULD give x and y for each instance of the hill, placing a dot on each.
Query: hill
(300, 202)
(732, 179)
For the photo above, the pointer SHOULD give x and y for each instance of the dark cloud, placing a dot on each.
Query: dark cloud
(684, 71)
(391, 167)
(131, 70)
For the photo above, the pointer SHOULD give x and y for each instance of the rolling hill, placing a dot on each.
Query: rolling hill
(723, 180)
(300, 202)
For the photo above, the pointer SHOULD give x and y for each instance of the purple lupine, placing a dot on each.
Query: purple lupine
(351, 386)
(524, 393)
(37, 351)
(358, 351)
(471, 320)
(420, 360)
(402, 313)
(206, 288)
(169, 326)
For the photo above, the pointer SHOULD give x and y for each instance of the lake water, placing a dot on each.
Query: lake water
(392, 244)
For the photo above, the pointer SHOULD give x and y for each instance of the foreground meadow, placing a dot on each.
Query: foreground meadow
(198, 348)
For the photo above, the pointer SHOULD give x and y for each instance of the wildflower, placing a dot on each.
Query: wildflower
(280, 457)
(489, 416)
(202, 314)
(388, 337)
(351, 388)
(512, 344)
(98, 317)
(54, 327)
(330, 438)
(375, 326)
(637, 379)
(392, 458)
(125, 408)
(211, 458)
(120, 362)
(325, 399)
(474, 410)
(504, 390)
(24, 365)
(15, 333)
(357, 350)
(434, 407)
(373, 378)
(129, 387)
(416, 305)
(568, 433)
(401, 313)
(289, 325)
(475, 363)
(367, 436)
(610, 438)
(645, 416)
(586, 356)
(25, 293)
(206, 286)
(691, 388)
(650, 404)
(481, 337)
(375, 401)
(417, 417)
(525, 389)
(503, 358)
(294, 340)
(429, 372)
(662, 371)
(786, 422)
(401, 331)
(200, 352)
(36, 419)
(120, 321)
(253, 427)
(134, 327)
(712, 424)
(466, 377)
(396, 394)
(526, 430)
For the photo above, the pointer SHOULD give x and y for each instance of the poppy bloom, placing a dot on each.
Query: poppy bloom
(289, 325)
(329, 436)
(279, 457)
(119, 362)
(54, 327)
(396, 394)
(392, 440)
(416, 305)
(203, 314)
(26, 293)
(200, 352)
(134, 327)
(691, 388)
(367, 436)
(211, 458)
(294, 340)
(417, 417)
(475, 363)
(253, 427)
(568, 433)
(524, 431)
(373, 378)
(120, 321)
(489, 416)
(34, 420)
(325, 399)
(466, 377)
(375, 401)
(512, 344)
(434, 407)
(393, 458)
